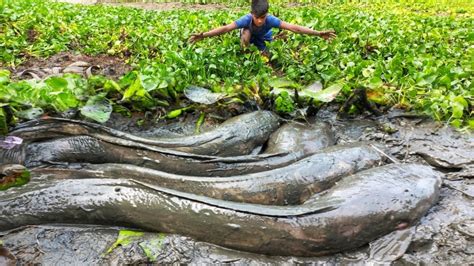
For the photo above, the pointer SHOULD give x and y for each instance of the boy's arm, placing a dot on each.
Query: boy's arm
(327, 34)
(215, 32)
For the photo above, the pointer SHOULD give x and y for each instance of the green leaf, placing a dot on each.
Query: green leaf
(64, 101)
(461, 100)
(458, 109)
(199, 122)
(471, 124)
(284, 103)
(124, 238)
(3, 122)
(175, 113)
(111, 86)
(15, 179)
(282, 83)
(456, 123)
(57, 83)
(4, 76)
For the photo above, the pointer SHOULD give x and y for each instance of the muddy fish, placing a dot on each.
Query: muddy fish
(355, 211)
(236, 136)
(288, 185)
(86, 149)
(294, 137)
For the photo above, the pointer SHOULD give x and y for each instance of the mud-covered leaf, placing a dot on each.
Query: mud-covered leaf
(202, 95)
(325, 95)
(152, 247)
(315, 87)
(97, 108)
(31, 113)
(9, 142)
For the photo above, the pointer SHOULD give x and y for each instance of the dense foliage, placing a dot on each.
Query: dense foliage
(418, 56)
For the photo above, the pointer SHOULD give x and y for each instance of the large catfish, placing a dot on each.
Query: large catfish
(87, 149)
(355, 211)
(236, 136)
(292, 184)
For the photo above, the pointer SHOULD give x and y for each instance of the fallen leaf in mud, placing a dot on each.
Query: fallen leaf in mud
(392, 246)
(201, 95)
(10, 142)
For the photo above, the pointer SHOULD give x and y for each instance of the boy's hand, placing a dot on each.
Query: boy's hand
(327, 34)
(196, 37)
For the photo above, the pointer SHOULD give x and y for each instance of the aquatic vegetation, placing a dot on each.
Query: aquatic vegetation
(415, 55)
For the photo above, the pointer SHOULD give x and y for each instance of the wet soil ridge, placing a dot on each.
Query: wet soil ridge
(389, 197)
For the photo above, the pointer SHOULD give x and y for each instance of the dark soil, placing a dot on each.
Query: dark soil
(110, 66)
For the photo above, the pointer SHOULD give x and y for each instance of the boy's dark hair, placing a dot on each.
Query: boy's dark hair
(259, 7)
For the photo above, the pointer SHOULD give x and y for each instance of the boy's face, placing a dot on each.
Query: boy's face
(259, 21)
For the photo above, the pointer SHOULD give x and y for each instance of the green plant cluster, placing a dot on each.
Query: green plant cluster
(417, 55)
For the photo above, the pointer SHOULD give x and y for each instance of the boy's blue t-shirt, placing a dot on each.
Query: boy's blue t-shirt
(259, 34)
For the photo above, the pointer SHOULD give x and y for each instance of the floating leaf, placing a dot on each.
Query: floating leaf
(202, 95)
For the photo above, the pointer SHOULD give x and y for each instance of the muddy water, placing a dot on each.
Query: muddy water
(443, 236)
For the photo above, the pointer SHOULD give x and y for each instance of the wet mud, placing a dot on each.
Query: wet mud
(443, 236)
(68, 62)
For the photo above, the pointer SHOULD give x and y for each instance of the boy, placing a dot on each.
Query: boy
(256, 28)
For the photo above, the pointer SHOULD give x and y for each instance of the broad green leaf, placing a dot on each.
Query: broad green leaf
(64, 101)
(3, 122)
(461, 100)
(458, 109)
(4, 76)
(282, 83)
(111, 85)
(57, 83)
(284, 103)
